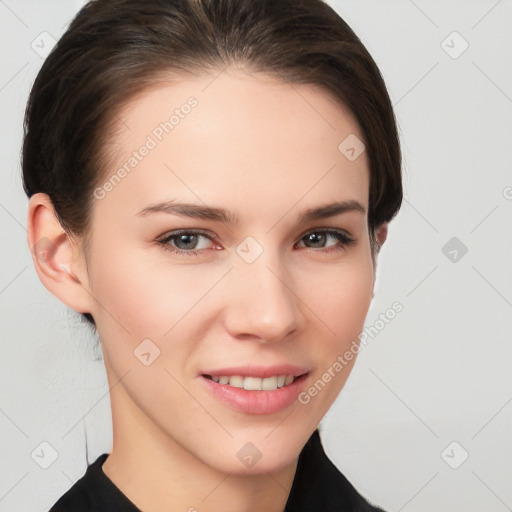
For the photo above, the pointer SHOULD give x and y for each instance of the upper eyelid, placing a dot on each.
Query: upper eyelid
(195, 231)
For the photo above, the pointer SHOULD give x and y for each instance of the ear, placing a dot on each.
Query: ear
(382, 233)
(57, 259)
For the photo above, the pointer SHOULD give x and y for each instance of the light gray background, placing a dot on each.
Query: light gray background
(438, 373)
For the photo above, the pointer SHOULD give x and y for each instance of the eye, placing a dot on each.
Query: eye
(321, 236)
(186, 239)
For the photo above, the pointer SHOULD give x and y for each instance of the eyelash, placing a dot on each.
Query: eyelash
(341, 236)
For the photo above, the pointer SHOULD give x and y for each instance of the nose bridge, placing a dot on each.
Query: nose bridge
(263, 302)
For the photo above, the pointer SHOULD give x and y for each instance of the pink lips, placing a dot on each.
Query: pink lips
(254, 401)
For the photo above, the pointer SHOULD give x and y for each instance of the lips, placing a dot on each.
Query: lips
(254, 400)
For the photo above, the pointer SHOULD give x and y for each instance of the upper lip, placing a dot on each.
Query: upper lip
(258, 371)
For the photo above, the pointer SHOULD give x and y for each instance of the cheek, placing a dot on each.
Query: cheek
(340, 296)
(142, 295)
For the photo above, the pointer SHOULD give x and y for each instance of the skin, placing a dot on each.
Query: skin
(267, 151)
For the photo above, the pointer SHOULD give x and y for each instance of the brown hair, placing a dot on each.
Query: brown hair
(113, 50)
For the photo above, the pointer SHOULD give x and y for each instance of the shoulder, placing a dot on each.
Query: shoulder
(94, 492)
(77, 497)
(318, 484)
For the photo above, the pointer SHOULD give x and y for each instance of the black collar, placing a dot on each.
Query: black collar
(319, 485)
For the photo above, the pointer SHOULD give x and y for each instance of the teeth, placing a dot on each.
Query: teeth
(255, 383)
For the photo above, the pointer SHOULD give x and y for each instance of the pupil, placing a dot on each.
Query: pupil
(315, 237)
(185, 237)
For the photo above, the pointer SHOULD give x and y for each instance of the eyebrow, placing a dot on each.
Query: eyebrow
(197, 211)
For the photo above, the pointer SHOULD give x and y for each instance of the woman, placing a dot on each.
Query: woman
(210, 183)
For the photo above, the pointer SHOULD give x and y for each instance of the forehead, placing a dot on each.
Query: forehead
(236, 139)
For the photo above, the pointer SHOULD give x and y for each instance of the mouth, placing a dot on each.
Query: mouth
(257, 390)
(256, 383)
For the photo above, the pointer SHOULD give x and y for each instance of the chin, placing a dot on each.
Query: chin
(258, 450)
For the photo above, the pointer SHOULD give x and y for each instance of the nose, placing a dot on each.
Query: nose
(262, 302)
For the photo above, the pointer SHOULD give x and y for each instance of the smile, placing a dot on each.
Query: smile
(254, 383)
(256, 395)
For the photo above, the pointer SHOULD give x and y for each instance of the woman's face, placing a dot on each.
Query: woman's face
(238, 293)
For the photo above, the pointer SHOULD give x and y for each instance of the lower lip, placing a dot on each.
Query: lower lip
(254, 401)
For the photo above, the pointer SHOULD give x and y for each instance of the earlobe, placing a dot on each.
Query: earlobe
(55, 255)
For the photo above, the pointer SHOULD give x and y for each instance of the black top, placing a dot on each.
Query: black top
(317, 485)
